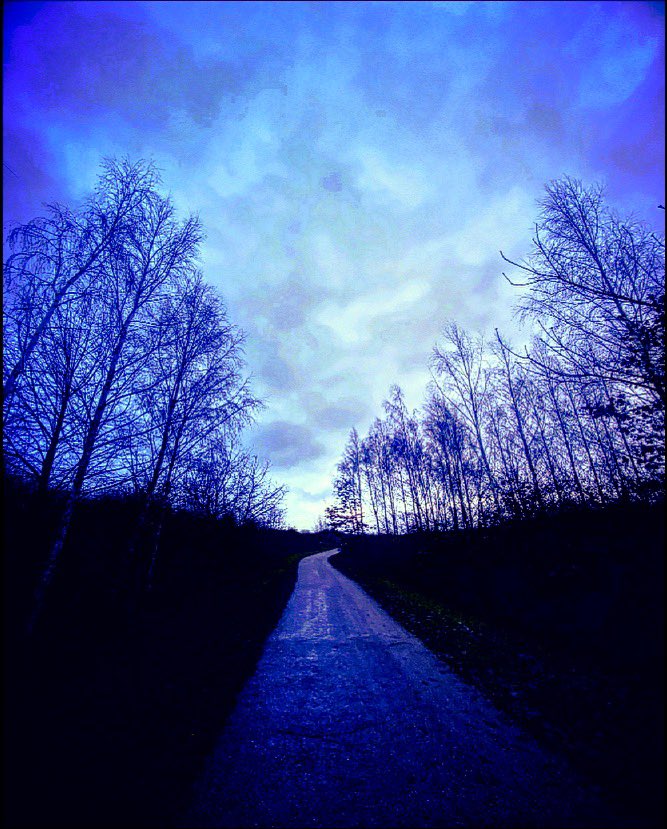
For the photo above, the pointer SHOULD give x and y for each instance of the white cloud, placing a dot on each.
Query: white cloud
(406, 185)
(495, 228)
(352, 322)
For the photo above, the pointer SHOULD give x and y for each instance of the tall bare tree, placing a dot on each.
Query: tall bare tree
(50, 257)
(577, 417)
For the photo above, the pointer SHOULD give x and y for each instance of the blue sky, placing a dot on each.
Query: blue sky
(357, 167)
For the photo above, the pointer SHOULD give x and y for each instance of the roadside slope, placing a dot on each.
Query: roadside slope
(558, 622)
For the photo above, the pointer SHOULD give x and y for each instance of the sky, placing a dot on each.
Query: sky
(357, 167)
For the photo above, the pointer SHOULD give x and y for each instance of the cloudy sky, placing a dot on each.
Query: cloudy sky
(357, 167)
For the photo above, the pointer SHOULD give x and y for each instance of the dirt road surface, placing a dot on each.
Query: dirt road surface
(351, 721)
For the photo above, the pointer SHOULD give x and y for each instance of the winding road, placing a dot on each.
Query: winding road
(350, 721)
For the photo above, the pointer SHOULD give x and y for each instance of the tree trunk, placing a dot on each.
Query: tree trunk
(49, 458)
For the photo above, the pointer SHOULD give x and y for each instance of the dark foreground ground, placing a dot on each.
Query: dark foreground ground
(113, 706)
(110, 713)
(559, 622)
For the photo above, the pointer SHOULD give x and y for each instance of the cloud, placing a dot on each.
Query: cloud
(333, 182)
(277, 373)
(287, 305)
(287, 444)
(404, 185)
(334, 412)
(116, 65)
(312, 497)
(357, 167)
(352, 321)
(618, 60)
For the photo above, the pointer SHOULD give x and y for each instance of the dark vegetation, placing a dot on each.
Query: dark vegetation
(558, 620)
(114, 701)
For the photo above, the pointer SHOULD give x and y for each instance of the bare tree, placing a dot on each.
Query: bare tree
(227, 481)
(514, 383)
(121, 367)
(348, 513)
(578, 417)
(136, 274)
(596, 289)
(51, 256)
(461, 368)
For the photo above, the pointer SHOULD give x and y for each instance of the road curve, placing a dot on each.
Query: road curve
(350, 721)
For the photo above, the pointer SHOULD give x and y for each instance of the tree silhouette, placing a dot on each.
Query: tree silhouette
(122, 371)
(578, 417)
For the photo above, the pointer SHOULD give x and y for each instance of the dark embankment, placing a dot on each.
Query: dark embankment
(559, 621)
(112, 705)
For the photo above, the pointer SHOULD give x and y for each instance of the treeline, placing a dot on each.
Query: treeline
(576, 417)
(122, 371)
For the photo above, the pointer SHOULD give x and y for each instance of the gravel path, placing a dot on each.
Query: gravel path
(350, 720)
